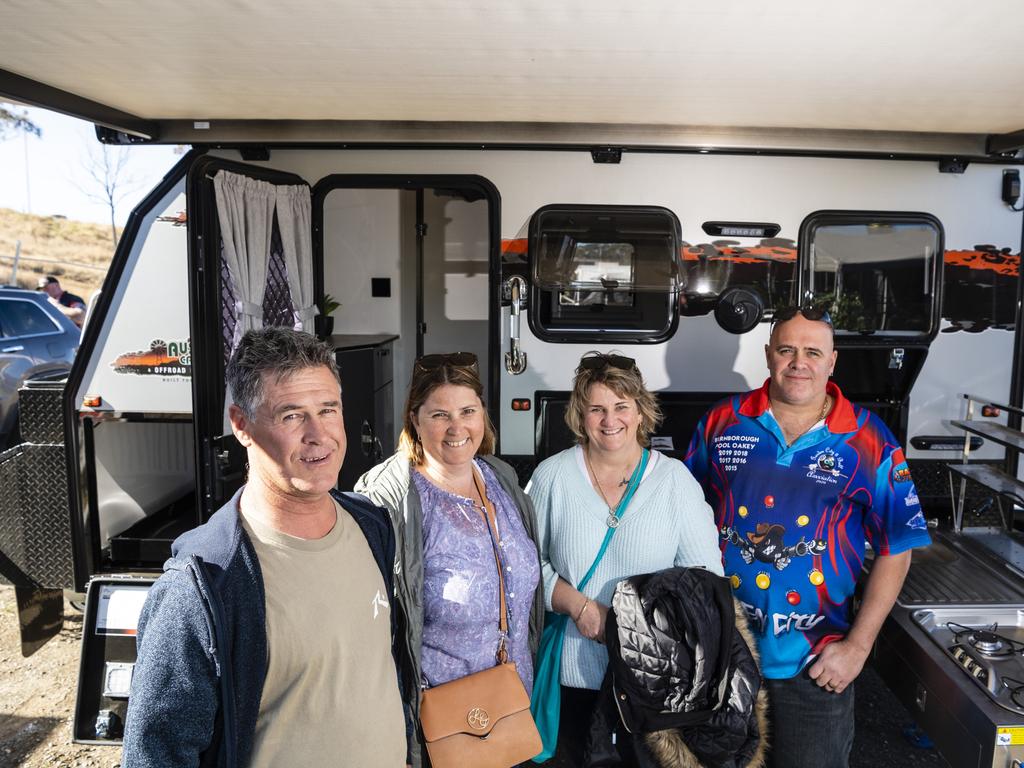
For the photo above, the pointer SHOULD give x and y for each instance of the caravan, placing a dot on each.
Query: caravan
(585, 213)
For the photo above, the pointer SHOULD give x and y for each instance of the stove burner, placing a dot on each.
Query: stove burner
(1016, 689)
(985, 640)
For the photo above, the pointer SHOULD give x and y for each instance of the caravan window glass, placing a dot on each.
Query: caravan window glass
(603, 272)
(278, 308)
(610, 264)
(877, 273)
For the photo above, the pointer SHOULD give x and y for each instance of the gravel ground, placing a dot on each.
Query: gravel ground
(37, 698)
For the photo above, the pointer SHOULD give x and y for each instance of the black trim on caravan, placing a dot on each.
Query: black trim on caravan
(205, 320)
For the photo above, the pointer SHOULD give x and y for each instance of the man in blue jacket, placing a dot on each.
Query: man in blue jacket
(268, 640)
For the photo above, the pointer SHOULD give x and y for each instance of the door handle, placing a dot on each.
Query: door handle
(366, 438)
(515, 358)
(16, 348)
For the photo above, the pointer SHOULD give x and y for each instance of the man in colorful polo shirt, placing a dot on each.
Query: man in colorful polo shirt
(799, 477)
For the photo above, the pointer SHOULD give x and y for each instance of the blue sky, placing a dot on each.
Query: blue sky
(46, 175)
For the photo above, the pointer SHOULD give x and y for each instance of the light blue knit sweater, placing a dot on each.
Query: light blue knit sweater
(667, 523)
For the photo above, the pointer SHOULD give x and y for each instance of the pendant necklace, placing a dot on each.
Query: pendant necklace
(612, 520)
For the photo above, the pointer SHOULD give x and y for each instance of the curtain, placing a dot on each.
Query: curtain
(294, 218)
(245, 210)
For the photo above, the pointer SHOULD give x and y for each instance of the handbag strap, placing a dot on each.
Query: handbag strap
(620, 510)
(501, 656)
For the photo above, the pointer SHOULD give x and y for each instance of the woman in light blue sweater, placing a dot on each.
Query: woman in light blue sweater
(576, 494)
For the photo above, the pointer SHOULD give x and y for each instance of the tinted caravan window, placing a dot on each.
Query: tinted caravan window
(600, 273)
(877, 273)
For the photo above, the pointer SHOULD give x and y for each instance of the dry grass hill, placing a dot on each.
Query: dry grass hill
(77, 252)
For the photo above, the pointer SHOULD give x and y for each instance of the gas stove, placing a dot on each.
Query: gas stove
(986, 643)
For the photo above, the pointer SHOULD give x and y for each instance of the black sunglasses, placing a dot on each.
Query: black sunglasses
(810, 313)
(465, 360)
(600, 361)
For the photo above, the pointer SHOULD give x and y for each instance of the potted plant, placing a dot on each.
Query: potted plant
(323, 323)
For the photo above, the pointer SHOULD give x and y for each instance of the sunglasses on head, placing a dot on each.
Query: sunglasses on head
(465, 360)
(810, 313)
(600, 361)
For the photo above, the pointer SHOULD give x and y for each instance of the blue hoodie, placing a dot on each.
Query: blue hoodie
(202, 644)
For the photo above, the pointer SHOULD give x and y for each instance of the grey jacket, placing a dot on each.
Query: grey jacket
(389, 485)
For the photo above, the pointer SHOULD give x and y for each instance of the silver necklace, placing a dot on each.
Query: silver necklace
(612, 521)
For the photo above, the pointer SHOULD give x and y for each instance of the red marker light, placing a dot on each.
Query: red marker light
(793, 597)
(769, 501)
(521, 404)
(92, 401)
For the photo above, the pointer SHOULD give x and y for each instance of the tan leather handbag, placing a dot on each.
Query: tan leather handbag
(482, 720)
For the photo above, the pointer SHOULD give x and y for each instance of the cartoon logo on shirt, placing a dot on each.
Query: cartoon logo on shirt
(901, 474)
(801, 622)
(766, 545)
(756, 617)
(781, 623)
(918, 522)
(826, 466)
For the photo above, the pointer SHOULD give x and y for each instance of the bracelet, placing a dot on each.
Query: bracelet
(580, 614)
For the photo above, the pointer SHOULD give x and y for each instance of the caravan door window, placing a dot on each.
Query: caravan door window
(877, 273)
(604, 272)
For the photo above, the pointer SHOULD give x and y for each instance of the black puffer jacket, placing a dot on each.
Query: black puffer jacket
(681, 672)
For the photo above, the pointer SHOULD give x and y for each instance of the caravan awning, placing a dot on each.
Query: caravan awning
(651, 72)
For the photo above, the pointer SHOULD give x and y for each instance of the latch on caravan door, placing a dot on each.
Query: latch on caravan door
(515, 358)
(896, 359)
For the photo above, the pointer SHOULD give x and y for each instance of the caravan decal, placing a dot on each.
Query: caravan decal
(167, 359)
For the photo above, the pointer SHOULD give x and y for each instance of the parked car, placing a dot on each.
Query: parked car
(35, 340)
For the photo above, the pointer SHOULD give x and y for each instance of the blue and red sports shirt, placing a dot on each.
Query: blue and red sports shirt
(793, 520)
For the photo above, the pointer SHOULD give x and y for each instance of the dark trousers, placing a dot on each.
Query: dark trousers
(809, 727)
(577, 708)
(575, 722)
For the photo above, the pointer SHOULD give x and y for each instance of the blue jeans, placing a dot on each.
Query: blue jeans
(809, 727)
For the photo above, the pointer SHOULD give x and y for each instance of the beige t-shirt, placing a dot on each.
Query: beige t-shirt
(331, 694)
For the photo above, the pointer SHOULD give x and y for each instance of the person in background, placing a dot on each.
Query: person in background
(268, 640)
(576, 492)
(72, 306)
(799, 477)
(437, 486)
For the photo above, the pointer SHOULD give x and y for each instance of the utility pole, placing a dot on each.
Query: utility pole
(14, 269)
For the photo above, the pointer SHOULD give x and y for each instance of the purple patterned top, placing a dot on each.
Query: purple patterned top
(460, 583)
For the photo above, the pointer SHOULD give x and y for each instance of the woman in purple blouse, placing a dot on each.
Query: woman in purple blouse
(446, 581)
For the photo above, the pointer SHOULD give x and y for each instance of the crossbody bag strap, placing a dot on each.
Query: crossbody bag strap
(620, 510)
(492, 529)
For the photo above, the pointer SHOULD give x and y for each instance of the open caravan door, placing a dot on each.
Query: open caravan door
(106, 450)
(250, 266)
(158, 456)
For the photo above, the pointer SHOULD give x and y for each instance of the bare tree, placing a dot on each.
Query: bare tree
(14, 121)
(109, 178)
